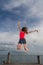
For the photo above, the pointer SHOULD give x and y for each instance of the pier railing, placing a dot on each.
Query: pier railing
(21, 58)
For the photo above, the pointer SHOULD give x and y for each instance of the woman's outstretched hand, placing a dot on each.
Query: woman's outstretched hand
(19, 23)
(36, 30)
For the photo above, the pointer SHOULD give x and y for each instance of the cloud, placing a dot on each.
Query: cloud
(30, 11)
(8, 25)
(34, 12)
(34, 7)
(8, 37)
(13, 4)
(37, 9)
(10, 4)
(36, 38)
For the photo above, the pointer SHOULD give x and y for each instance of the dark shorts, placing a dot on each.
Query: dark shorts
(22, 41)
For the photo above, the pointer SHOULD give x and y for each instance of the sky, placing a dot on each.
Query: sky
(29, 12)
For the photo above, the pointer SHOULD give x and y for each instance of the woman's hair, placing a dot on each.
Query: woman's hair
(25, 29)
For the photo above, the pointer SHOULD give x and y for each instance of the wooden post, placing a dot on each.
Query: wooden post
(8, 58)
(3, 62)
(38, 58)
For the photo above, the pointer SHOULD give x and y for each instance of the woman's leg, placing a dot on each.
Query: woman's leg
(25, 47)
(19, 46)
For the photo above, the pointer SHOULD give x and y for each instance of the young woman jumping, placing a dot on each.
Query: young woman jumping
(22, 40)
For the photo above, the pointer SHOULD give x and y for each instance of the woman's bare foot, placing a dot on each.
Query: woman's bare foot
(26, 49)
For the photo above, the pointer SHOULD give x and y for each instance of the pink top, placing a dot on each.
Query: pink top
(22, 34)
